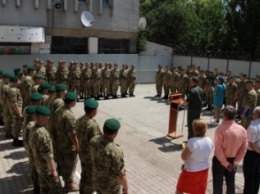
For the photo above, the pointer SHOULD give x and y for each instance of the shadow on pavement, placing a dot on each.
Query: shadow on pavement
(16, 155)
(21, 168)
(166, 144)
(158, 99)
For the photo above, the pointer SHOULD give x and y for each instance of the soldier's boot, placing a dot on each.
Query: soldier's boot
(36, 188)
(71, 186)
(132, 95)
(8, 135)
(17, 142)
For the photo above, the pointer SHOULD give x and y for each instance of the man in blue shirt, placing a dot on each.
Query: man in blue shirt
(218, 97)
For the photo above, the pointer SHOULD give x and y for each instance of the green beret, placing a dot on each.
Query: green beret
(7, 75)
(60, 87)
(16, 70)
(14, 79)
(52, 89)
(91, 103)
(250, 81)
(1, 71)
(70, 96)
(31, 68)
(20, 74)
(30, 109)
(45, 85)
(25, 65)
(37, 76)
(112, 124)
(36, 96)
(42, 110)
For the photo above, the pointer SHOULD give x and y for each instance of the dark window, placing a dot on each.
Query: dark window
(68, 45)
(105, 3)
(82, 1)
(111, 46)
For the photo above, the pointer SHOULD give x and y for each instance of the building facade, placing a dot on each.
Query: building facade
(55, 27)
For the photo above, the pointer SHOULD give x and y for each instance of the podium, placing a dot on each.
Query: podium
(176, 100)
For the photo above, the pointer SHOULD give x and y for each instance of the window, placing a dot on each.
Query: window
(105, 3)
(111, 46)
(82, 1)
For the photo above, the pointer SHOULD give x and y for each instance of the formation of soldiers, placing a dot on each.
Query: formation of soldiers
(242, 93)
(34, 101)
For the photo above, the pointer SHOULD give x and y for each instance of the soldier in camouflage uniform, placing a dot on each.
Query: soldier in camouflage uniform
(209, 91)
(75, 74)
(231, 92)
(257, 89)
(86, 81)
(1, 106)
(51, 96)
(105, 81)
(175, 80)
(241, 91)
(159, 81)
(167, 78)
(66, 141)
(108, 161)
(16, 104)
(4, 96)
(42, 152)
(26, 86)
(44, 89)
(131, 76)
(86, 128)
(62, 73)
(193, 72)
(41, 69)
(248, 105)
(51, 72)
(96, 81)
(123, 81)
(115, 80)
(183, 83)
(37, 79)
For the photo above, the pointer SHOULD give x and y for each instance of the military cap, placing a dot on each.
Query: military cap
(70, 96)
(36, 96)
(31, 109)
(195, 79)
(40, 61)
(20, 74)
(45, 85)
(60, 87)
(243, 74)
(249, 81)
(75, 62)
(71, 62)
(52, 89)
(42, 110)
(1, 71)
(60, 61)
(36, 59)
(112, 124)
(91, 103)
(37, 76)
(25, 65)
(7, 75)
(14, 79)
(16, 70)
(31, 68)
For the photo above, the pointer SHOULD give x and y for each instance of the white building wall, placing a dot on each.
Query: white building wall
(154, 49)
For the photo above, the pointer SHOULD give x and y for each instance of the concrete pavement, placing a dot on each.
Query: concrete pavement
(152, 159)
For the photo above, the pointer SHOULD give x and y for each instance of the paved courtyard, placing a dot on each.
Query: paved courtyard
(152, 159)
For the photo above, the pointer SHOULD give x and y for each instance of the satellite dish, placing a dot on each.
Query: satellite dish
(87, 19)
(142, 23)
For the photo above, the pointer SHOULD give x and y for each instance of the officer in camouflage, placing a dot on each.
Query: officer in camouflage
(108, 161)
(115, 80)
(159, 81)
(131, 76)
(86, 78)
(105, 81)
(231, 92)
(167, 78)
(86, 128)
(123, 81)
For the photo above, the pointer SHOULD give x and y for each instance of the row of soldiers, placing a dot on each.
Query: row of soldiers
(89, 79)
(237, 93)
(54, 138)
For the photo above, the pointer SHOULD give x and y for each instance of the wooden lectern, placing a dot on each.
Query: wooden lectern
(175, 99)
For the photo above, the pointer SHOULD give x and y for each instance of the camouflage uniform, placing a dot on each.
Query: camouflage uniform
(108, 165)
(105, 81)
(7, 116)
(86, 81)
(231, 91)
(67, 157)
(167, 79)
(26, 88)
(209, 91)
(123, 81)
(42, 71)
(159, 81)
(114, 81)
(41, 149)
(175, 81)
(96, 80)
(75, 80)
(241, 93)
(131, 76)
(183, 84)
(15, 98)
(1, 106)
(258, 97)
(51, 75)
(62, 75)
(249, 101)
(86, 129)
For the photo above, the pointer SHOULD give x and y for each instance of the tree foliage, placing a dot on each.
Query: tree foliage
(228, 28)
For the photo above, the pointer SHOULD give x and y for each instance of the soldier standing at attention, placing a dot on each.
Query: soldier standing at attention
(96, 77)
(51, 72)
(131, 80)
(51, 95)
(75, 78)
(41, 69)
(108, 161)
(159, 81)
(37, 79)
(175, 80)
(241, 91)
(248, 105)
(42, 152)
(231, 92)
(4, 96)
(257, 89)
(86, 128)
(167, 78)
(62, 73)
(44, 90)
(86, 81)
(67, 142)
(123, 81)
(105, 81)
(183, 83)
(1, 106)
(115, 80)
(16, 104)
